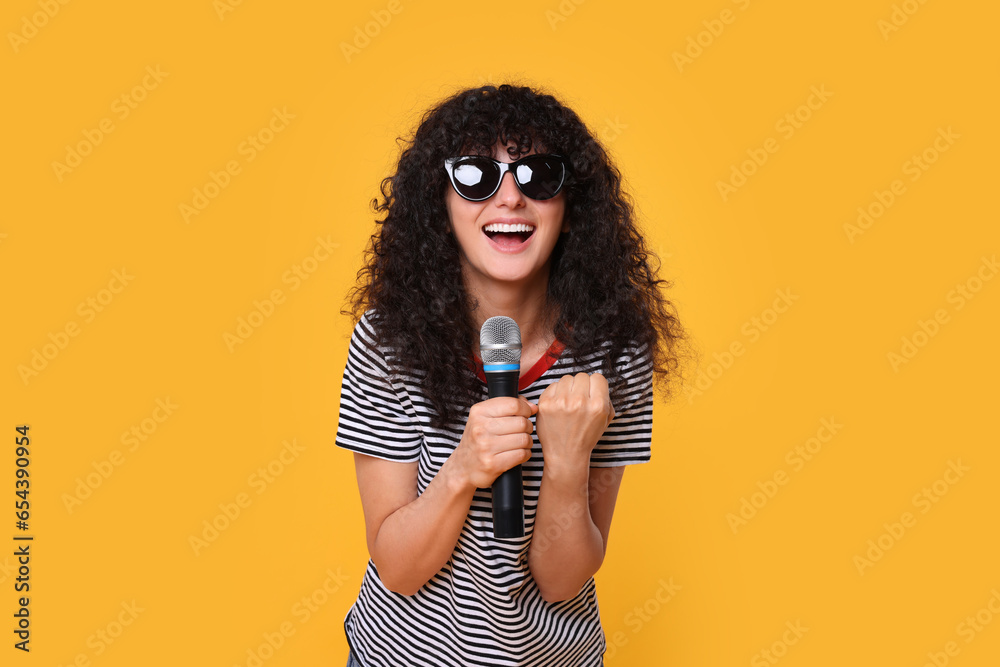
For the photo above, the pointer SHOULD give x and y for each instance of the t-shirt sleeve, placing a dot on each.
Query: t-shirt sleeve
(376, 415)
(628, 436)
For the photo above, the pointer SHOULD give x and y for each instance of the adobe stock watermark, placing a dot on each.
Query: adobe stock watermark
(30, 25)
(752, 329)
(59, 340)
(640, 615)
(104, 637)
(248, 149)
(958, 297)
(898, 17)
(914, 166)
(264, 308)
(132, 439)
(565, 9)
(923, 500)
(483, 79)
(7, 569)
(302, 611)
(258, 481)
(381, 18)
(797, 457)
(786, 126)
(967, 630)
(611, 130)
(696, 44)
(121, 108)
(223, 7)
(779, 648)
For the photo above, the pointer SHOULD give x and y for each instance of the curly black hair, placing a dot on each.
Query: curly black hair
(603, 282)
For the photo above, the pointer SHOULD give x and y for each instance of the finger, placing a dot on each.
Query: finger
(519, 407)
(508, 425)
(581, 384)
(526, 408)
(507, 460)
(532, 407)
(511, 442)
(548, 393)
(503, 406)
(598, 384)
(559, 390)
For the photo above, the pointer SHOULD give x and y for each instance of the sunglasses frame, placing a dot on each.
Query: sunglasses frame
(449, 165)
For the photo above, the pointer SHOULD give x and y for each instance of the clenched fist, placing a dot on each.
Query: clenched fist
(572, 416)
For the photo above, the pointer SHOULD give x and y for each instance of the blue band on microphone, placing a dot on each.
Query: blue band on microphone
(497, 368)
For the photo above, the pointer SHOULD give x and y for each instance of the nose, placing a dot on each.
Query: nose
(508, 194)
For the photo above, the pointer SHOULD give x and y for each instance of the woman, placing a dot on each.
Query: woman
(502, 204)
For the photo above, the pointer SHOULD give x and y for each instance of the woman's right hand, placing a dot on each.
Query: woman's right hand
(497, 437)
(411, 536)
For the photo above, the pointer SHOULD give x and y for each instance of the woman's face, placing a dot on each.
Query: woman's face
(490, 256)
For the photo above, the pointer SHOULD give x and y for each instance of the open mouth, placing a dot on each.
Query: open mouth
(508, 235)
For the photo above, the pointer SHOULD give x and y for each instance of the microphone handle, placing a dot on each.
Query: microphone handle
(508, 489)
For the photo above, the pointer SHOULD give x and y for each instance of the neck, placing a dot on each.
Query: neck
(526, 304)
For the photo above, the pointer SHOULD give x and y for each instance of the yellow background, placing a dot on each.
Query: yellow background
(676, 128)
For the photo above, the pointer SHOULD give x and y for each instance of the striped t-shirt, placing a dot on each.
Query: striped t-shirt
(482, 608)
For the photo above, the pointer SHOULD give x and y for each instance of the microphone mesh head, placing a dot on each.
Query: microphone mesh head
(500, 330)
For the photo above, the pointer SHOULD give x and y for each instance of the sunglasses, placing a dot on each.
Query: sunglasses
(476, 177)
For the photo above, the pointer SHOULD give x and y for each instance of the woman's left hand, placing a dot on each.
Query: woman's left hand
(572, 416)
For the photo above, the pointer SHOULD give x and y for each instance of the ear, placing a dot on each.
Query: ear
(565, 225)
(449, 227)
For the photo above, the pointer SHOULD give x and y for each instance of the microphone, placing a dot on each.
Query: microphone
(500, 349)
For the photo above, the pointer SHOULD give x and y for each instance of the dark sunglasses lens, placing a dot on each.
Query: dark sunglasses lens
(476, 178)
(540, 177)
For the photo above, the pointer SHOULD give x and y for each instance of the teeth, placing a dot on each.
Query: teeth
(504, 227)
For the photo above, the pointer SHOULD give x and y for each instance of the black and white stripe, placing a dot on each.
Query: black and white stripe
(482, 608)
